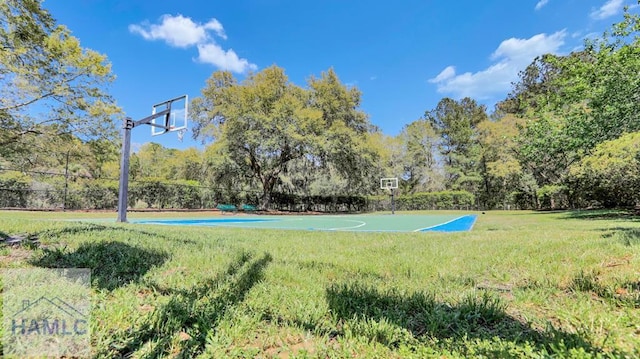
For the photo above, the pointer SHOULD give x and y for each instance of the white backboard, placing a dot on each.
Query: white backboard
(389, 183)
(176, 119)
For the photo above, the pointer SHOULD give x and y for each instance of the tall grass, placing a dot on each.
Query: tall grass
(521, 284)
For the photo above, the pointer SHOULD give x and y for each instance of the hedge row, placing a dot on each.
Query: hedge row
(19, 190)
(425, 201)
(297, 203)
(14, 189)
(22, 192)
(417, 201)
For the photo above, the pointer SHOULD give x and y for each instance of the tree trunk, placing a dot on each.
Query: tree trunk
(267, 188)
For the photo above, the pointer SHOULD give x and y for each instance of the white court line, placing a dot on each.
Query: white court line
(352, 227)
(473, 224)
(438, 225)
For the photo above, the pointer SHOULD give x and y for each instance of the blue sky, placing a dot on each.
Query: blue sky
(404, 56)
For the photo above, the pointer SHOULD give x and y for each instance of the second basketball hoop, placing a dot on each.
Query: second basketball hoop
(391, 184)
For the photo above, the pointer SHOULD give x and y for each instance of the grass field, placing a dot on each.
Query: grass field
(521, 284)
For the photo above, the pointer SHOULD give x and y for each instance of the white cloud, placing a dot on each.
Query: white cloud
(446, 74)
(216, 26)
(178, 31)
(526, 49)
(511, 56)
(541, 4)
(610, 8)
(183, 32)
(228, 60)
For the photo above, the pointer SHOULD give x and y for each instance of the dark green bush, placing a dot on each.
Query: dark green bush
(15, 189)
(98, 194)
(297, 203)
(158, 193)
(425, 201)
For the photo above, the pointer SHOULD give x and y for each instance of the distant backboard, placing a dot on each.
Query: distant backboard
(389, 183)
(174, 120)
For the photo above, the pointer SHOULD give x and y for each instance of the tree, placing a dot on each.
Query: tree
(230, 180)
(417, 157)
(502, 175)
(100, 153)
(543, 149)
(388, 150)
(49, 84)
(572, 103)
(344, 133)
(613, 87)
(611, 174)
(533, 89)
(265, 128)
(189, 164)
(261, 124)
(456, 123)
(151, 162)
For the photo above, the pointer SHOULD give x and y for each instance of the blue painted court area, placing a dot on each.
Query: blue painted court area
(351, 223)
(464, 223)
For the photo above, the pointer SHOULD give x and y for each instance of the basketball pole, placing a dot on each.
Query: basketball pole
(123, 190)
(393, 203)
(128, 125)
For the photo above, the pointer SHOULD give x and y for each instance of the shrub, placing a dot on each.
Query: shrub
(15, 189)
(425, 201)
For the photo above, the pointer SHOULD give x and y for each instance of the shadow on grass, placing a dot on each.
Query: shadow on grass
(26, 241)
(86, 228)
(424, 319)
(627, 236)
(112, 264)
(190, 315)
(603, 214)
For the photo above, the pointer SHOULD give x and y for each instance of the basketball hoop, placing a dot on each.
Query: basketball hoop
(390, 184)
(166, 116)
(174, 118)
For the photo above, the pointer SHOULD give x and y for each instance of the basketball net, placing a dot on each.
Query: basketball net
(181, 134)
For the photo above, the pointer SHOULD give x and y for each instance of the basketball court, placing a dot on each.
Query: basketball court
(171, 116)
(349, 223)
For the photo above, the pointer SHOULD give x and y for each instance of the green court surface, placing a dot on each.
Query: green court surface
(360, 223)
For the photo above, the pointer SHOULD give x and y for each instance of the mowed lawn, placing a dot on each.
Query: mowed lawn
(521, 284)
